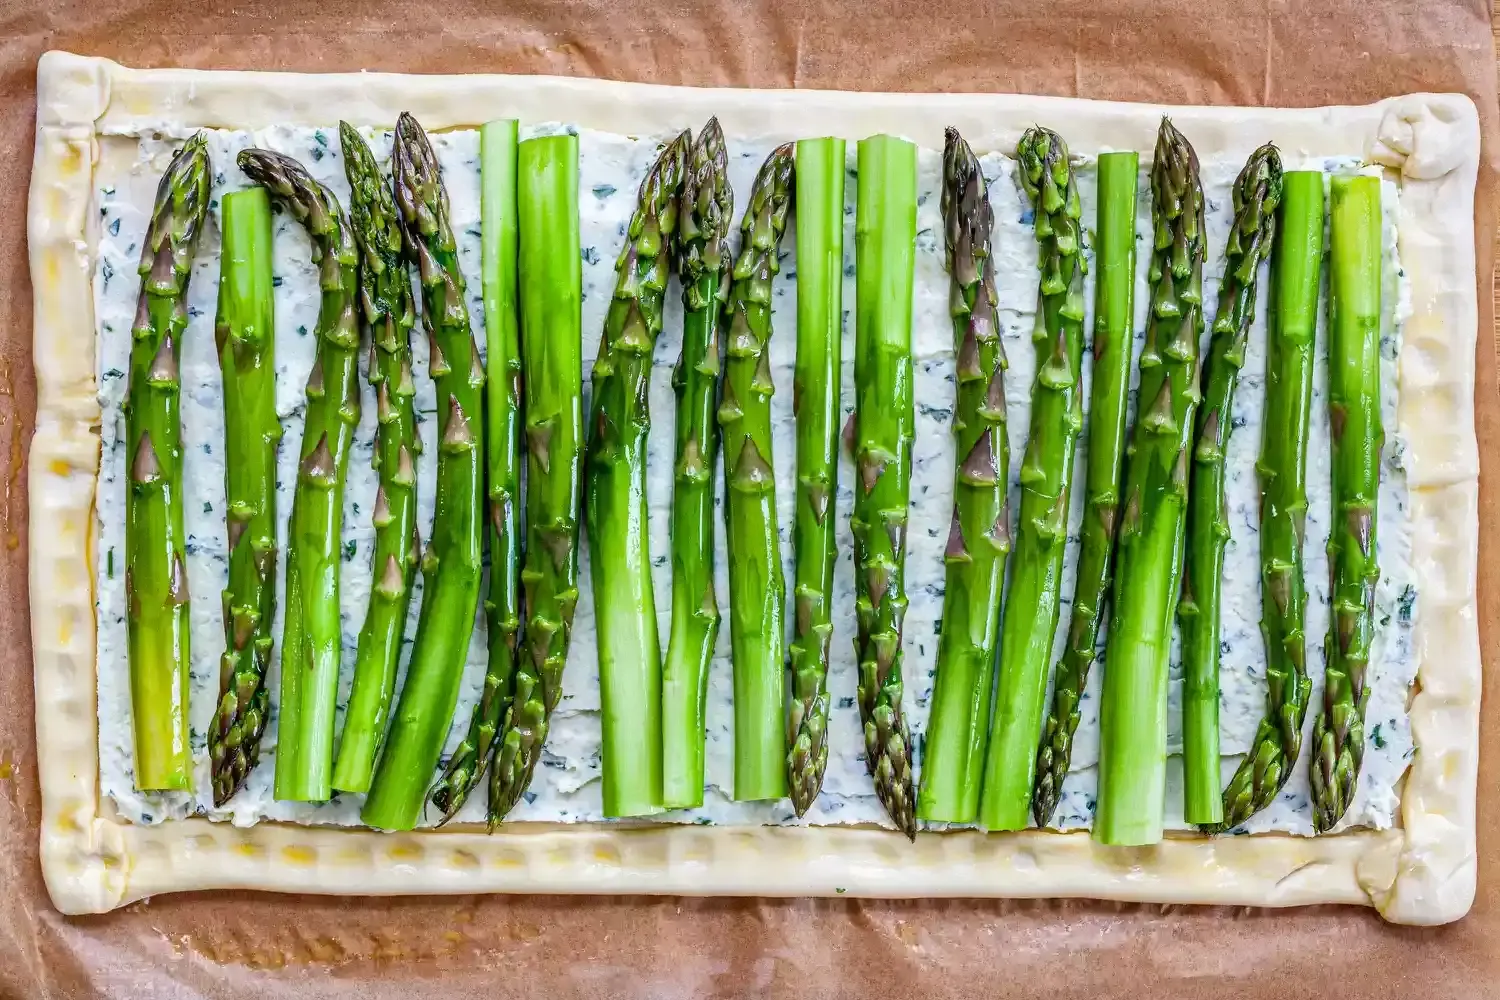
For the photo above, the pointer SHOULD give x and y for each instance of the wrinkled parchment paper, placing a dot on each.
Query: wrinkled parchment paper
(234, 945)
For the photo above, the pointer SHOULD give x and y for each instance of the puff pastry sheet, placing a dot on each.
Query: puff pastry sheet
(1421, 872)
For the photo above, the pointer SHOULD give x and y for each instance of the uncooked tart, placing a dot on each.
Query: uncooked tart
(1421, 869)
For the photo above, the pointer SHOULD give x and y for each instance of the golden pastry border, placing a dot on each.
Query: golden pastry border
(1422, 872)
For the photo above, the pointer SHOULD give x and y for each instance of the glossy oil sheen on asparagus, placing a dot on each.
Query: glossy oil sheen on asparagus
(1114, 339)
(1291, 330)
(245, 335)
(880, 439)
(1148, 576)
(451, 565)
(1257, 192)
(388, 314)
(979, 535)
(615, 497)
(704, 217)
(1034, 597)
(312, 633)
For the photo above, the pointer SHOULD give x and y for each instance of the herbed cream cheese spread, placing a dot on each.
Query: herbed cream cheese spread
(566, 787)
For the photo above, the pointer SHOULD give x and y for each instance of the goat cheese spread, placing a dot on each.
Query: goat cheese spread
(567, 787)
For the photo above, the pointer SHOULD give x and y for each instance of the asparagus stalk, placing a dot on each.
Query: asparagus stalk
(1296, 269)
(1133, 743)
(756, 584)
(704, 215)
(502, 438)
(1257, 191)
(1354, 415)
(312, 636)
(451, 564)
(615, 497)
(388, 314)
(1114, 323)
(245, 332)
(880, 437)
(551, 300)
(1026, 638)
(156, 571)
(815, 393)
(979, 536)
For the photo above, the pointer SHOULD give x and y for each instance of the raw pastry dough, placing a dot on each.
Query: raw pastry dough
(1422, 872)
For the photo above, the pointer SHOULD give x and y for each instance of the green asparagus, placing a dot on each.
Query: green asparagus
(1133, 714)
(704, 215)
(815, 399)
(615, 497)
(312, 635)
(756, 584)
(979, 536)
(551, 299)
(1026, 637)
(1296, 270)
(1114, 326)
(502, 438)
(245, 332)
(1354, 417)
(1256, 193)
(451, 564)
(880, 438)
(388, 314)
(156, 586)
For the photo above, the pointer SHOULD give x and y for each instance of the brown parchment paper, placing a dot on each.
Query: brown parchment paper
(233, 945)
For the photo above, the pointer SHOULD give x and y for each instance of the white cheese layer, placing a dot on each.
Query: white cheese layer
(567, 787)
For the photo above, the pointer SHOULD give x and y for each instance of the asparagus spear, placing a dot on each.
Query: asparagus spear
(615, 497)
(1257, 191)
(1354, 415)
(451, 564)
(388, 314)
(1296, 269)
(1133, 718)
(502, 438)
(756, 585)
(551, 299)
(1046, 480)
(245, 331)
(979, 536)
(880, 436)
(704, 215)
(312, 635)
(156, 572)
(815, 393)
(1114, 320)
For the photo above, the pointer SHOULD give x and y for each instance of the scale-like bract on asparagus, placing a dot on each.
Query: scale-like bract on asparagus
(979, 535)
(156, 587)
(451, 564)
(704, 215)
(312, 634)
(756, 584)
(880, 437)
(1292, 320)
(551, 298)
(502, 438)
(388, 313)
(615, 497)
(1114, 337)
(1256, 193)
(245, 334)
(1026, 637)
(1148, 576)
(1354, 420)
(819, 205)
